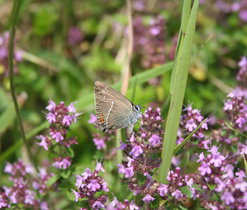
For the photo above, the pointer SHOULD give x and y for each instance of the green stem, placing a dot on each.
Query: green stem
(13, 21)
(177, 94)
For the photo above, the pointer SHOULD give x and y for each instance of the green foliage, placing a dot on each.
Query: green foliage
(45, 20)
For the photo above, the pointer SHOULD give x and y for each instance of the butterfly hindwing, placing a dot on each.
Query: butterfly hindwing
(112, 108)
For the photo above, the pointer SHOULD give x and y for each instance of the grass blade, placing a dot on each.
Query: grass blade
(177, 96)
(179, 147)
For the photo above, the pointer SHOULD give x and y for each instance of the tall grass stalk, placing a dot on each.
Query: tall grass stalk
(179, 79)
(13, 21)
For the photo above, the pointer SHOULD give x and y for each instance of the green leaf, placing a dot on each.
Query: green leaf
(70, 195)
(52, 180)
(187, 191)
(65, 174)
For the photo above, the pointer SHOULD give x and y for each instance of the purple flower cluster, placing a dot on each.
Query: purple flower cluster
(190, 120)
(100, 140)
(89, 184)
(25, 188)
(60, 118)
(4, 39)
(242, 73)
(236, 109)
(149, 41)
(92, 188)
(218, 170)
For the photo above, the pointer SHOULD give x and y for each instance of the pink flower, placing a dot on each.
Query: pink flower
(86, 174)
(98, 205)
(62, 163)
(220, 184)
(67, 120)
(93, 119)
(51, 117)
(100, 143)
(201, 157)
(204, 169)
(57, 136)
(227, 197)
(216, 158)
(77, 195)
(190, 125)
(45, 143)
(29, 197)
(51, 106)
(136, 151)
(71, 108)
(8, 168)
(154, 140)
(163, 189)
(129, 172)
(79, 181)
(93, 185)
(148, 198)
(121, 169)
(177, 194)
(99, 167)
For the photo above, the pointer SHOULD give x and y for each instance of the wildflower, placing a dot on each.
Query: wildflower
(177, 194)
(60, 118)
(62, 163)
(204, 169)
(148, 198)
(154, 140)
(93, 119)
(163, 189)
(136, 151)
(89, 185)
(23, 189)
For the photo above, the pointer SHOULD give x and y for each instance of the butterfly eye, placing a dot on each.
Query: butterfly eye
(137, 107)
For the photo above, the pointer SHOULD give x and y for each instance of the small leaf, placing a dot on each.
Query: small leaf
(70, 195)
(65, 174)
(71, 152)
(52, 180)
(187, 191)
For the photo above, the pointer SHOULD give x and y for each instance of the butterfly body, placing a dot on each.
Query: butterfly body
(113, 110)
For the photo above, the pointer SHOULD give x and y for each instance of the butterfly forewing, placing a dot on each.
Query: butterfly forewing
(111, 107)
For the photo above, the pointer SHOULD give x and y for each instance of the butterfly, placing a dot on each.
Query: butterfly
(113, 110)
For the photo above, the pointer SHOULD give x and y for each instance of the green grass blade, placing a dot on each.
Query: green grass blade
(184, 21)
(177, 96)
(179, 147)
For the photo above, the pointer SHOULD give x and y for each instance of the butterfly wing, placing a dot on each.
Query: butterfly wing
(112, 108)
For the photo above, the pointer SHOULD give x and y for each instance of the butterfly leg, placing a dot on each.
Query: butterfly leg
(129, 131)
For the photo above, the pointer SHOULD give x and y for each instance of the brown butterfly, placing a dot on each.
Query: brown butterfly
(113, 110)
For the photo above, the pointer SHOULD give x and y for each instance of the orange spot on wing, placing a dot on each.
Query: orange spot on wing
(101, 118)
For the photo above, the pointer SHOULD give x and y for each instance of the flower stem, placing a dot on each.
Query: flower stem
(13, 20)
